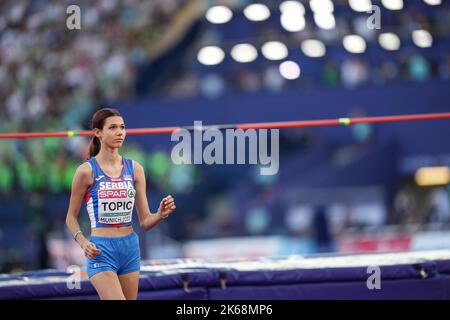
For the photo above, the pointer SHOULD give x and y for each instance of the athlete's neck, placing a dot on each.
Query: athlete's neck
(110, 157)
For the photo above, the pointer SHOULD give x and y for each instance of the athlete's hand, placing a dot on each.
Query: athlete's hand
(90, 250)
(166, 207)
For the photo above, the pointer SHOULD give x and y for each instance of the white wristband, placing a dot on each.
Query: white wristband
(76, 233)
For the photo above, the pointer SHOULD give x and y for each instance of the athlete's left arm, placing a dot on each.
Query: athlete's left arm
(148, 220)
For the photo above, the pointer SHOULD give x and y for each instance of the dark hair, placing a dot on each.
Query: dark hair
(98, 121)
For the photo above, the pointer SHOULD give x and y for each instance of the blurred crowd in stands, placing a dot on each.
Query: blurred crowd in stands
(60, 76)
(52, 78)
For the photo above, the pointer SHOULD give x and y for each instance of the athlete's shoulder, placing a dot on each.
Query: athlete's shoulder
(84, 170)
(136, 164)
(138, 169)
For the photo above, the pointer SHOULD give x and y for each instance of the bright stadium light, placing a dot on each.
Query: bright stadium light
(313, 48)
(244, 53)
(210, 55)
(219, 14)
(389, 41)
(354, 43)
(257, 12)
(292, 22)
(360, 5)
(422, 38)
(321, 6)
(274, 50)
(393, 4)
(289, 70)
(292, 6)
(325, 21)
(432, 176)
(433, 2)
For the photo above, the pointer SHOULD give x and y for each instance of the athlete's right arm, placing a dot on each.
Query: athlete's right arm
(81, 182)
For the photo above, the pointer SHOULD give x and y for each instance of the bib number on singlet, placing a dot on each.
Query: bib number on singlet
(115, 206)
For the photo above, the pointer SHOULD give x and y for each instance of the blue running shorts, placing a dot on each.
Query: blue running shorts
(118, 254)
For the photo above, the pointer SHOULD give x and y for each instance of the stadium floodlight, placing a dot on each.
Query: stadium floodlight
(325, 21)
(219, 14)
(244, 52)
(210, 55)
(433, 2)
(393, 4)
(292, 6)
(389, 41)
(360, 5)
(354, 43)
(257, 12)
(292, 22)
(289, 70)
(321, 6)
(274, 50)
(313, 48)
(422, 38)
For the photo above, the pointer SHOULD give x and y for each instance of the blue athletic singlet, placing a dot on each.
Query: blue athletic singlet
(110, 201)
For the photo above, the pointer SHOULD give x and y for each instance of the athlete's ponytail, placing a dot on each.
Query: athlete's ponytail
(98, 121)
(94, 147)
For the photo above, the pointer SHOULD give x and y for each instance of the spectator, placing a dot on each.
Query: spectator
(330, 74)
(354, 72)
(419, 68)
